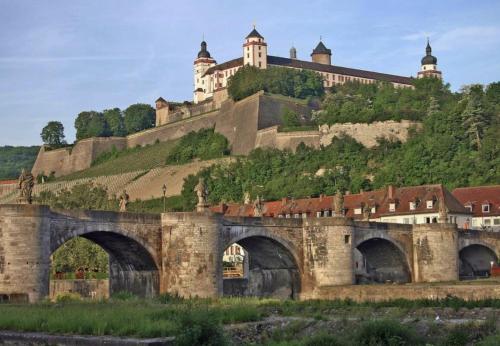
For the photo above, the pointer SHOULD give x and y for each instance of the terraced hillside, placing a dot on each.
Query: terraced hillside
(130, 160)
(139, 184)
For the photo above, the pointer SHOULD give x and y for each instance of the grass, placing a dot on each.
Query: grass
(200, 321)
(128, 160)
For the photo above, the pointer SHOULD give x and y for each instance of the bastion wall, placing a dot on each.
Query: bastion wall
(247, 124)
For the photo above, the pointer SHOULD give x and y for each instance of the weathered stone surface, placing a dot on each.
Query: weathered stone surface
(181, 253)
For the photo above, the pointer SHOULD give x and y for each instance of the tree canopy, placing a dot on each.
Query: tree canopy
(139, 117)
(53, 134)
(277, 80)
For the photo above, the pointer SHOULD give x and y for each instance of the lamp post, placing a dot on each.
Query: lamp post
(164, 188)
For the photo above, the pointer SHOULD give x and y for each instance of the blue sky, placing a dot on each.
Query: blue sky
(60, 57)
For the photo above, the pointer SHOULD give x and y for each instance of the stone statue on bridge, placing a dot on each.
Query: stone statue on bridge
(202, 193)
(25, 186)
(338, 204)
(124, 199)
(258, 207)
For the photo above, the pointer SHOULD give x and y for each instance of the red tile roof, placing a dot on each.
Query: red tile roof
(379, 199)
(8, 182)
(477, 196)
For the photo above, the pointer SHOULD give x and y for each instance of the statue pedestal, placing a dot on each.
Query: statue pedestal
(200, 208)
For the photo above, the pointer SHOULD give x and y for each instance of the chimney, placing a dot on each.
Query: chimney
(284, 201)
(391, 191)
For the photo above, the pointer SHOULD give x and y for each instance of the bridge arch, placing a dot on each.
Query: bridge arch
(381, 259)
(475, 258)
(273, 266)
(133, 265)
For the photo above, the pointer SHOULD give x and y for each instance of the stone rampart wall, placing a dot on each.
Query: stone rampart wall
(247, 124)
(367, 134)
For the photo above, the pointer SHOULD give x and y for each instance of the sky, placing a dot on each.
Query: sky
(60, 57)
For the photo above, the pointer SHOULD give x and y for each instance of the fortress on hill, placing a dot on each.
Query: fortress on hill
(249, 123)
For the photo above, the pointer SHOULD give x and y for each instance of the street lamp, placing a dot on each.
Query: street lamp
(164, 188)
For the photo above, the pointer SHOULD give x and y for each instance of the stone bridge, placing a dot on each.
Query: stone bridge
(181, 253)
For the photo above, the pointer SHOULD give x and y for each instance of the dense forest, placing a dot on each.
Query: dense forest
(14, 159)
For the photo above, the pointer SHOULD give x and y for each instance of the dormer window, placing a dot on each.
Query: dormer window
(357, 211)
(430, 204)
(392, 206)
(486, 208)
(413, 205)
(468, 207)
(373, 210)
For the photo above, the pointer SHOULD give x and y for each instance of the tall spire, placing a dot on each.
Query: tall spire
(428, 49)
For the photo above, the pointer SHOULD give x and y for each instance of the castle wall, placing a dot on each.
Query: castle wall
(80, 156)
(247, 124)
(367, 134)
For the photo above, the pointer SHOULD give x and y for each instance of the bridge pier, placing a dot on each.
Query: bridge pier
(190, 255)
(24, 251)
(328, 251)
(435, 252)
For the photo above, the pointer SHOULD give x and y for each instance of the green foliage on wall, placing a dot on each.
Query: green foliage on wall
(14, 159)
(277, 80)
(204, 145)
(458, 146)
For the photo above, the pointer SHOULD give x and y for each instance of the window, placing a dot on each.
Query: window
(260, 48)
(373, 210)
(486, 208)
(287, 216)
(487, 222)
(326, 213)
(318, 214)
(304, 215)
(430, 204)
(296, 216)
(392, 206)
(469, 207)
(496, 222)
(248, 56)
(347, 238)
(260, 55)
(434, 220)
(260, 64)
(280, 216)
(413, 205)
(357, 211)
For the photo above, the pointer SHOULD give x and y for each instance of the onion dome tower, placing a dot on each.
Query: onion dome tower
(255, 50)
(321, 54)
(429, 64)
(202, 63)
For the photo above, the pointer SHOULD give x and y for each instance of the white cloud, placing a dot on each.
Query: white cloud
(421, 35)
(470, 36)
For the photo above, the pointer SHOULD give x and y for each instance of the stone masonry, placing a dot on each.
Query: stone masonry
(181, 253)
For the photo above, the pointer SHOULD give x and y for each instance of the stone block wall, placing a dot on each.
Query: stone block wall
(94, 289)
(435, 252)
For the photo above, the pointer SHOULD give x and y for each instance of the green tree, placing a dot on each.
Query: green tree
(80, 253)
(474, 120)
(115, 123)
(290, 118)
(139, 117)
(90, 124)
(53, 134)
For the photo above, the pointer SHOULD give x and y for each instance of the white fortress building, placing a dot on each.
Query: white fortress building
(210, 77)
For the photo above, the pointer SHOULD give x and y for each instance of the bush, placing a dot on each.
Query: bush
(386, 332)
(322, 339)
(201, 328)
(124, 296)
(204, 144)
(68, 298)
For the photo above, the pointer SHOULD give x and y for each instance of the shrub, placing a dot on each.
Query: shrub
(322, 339)
(68, 298)
(201, 328)
(204, 144)
(124, 296)
(386, 332)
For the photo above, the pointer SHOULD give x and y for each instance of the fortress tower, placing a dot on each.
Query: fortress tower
(255, 50)
(202, 63)
(321, 54)
(429, 64)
